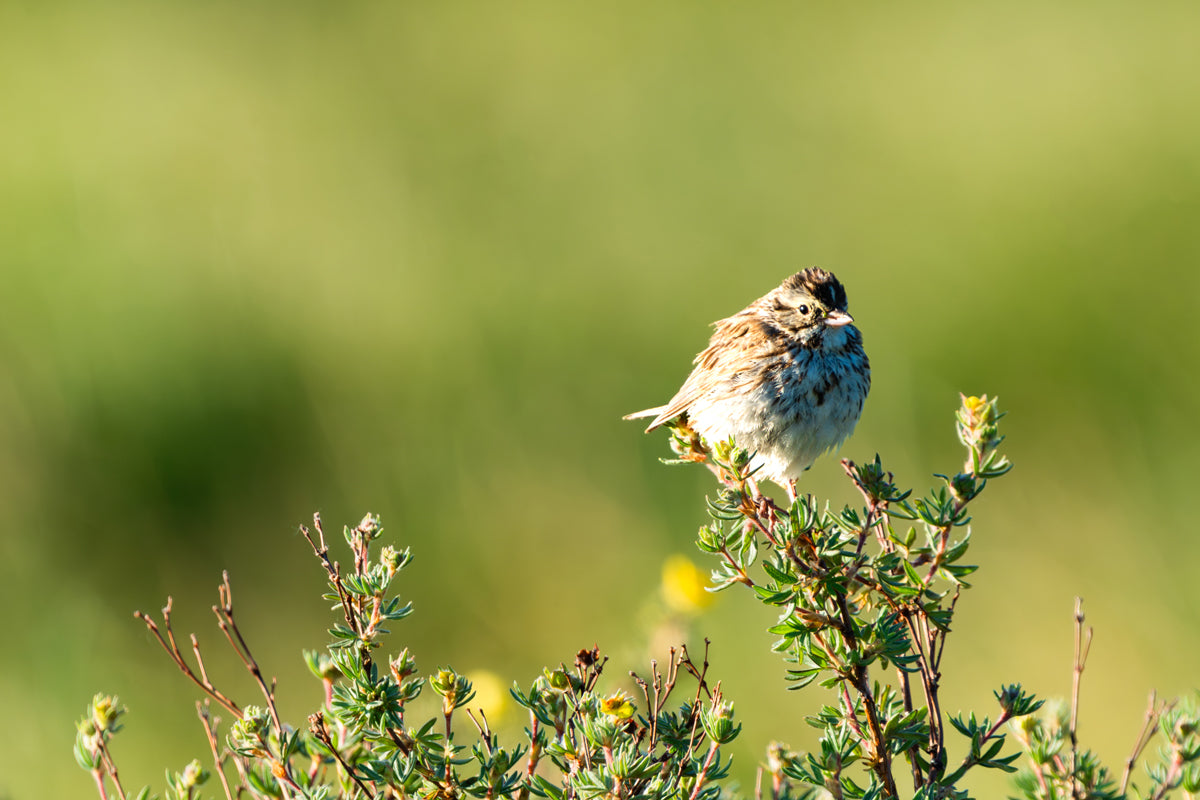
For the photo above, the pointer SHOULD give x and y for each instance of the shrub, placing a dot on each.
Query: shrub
(865, 597)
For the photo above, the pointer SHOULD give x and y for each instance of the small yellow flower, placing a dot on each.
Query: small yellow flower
(491, 695)
(617, 705)
(685, 587)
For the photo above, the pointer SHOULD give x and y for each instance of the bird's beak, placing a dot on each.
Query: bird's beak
(836, 319)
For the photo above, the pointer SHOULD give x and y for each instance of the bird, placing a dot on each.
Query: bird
(786, 378)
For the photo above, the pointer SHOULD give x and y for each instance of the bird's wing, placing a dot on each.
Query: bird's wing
(725, 356)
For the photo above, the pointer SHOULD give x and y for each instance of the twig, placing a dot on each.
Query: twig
(742, 577)
(318, 728)
(98, 777)
(1171, 779)
(702, 777)
(750, 510)
(911, 753)
(1154, 710)
(851, 714)
(169, 645)
(240, 764)
(225, 621)
(968, 761)
(876, 511)
(1083, 644)
(535, 755)
(686, 661)
(918, 631)
(576, 707)
(485, 731)
(110, 767)
(209, 724)
(332, 570)
(233, 634)
(938, 638)
(882, 762)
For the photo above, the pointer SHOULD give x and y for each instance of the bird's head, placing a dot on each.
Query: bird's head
(810, 304)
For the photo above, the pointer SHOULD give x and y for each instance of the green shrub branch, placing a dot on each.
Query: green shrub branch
(865, 598)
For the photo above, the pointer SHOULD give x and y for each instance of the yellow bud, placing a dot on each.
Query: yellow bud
(105, 711)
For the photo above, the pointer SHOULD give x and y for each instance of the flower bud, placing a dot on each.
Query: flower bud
(558, 680)
(249, 734)
(964, 486)
(106, 712)
(391, 560)
(403, 666)
(453, 688)
(776, 757)
(370, 526)
(717, 720)
(193, 775)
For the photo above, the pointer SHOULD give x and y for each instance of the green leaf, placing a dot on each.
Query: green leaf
(777, 573)
(84, 757)
(800, 678)
(913, 576)
(774, 598)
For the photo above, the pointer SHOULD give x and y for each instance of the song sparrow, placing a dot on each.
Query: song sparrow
(786, 377)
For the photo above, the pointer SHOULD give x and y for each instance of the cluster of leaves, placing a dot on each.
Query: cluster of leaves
(865, 599)
(859, 598)
(666, 753)
(92, 737)
(1061, 770)
(580, 743)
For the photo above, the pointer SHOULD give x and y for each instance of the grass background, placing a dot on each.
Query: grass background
(258, 260)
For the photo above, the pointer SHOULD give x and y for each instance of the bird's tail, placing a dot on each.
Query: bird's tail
(649, 412)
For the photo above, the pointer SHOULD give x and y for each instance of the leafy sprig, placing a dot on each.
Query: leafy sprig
(865, 598)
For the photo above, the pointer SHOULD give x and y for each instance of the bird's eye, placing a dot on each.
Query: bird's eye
(803, 309)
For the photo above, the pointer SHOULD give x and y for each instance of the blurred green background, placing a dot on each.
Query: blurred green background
(418, 259)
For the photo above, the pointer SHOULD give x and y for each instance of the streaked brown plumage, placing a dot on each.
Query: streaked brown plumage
(786, 377)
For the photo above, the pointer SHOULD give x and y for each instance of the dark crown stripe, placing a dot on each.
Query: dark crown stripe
(821, 284)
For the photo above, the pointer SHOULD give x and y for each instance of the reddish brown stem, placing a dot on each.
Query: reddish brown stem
(209, 725)
(701, 779)
(98, 776)
(169, 645)
(1083, 644)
